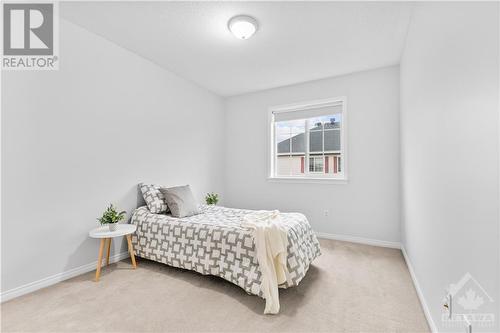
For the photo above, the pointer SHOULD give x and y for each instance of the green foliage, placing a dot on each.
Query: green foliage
(212, 198)
(110, 215)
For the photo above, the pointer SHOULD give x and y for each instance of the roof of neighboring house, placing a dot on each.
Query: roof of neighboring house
(332, 140)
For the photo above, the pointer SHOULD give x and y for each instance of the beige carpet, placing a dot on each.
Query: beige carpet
(350, 288)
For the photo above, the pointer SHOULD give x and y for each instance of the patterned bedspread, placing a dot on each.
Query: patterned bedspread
(215, 243)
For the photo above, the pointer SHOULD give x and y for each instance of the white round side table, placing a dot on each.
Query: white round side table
(105, 235)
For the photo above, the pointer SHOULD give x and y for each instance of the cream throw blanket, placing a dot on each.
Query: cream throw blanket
(270, 244)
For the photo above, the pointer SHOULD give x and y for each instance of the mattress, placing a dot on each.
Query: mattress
(215, 243)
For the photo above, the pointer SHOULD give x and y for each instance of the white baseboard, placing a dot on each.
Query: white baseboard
(48, 281)
(423, 303)
(360, 240)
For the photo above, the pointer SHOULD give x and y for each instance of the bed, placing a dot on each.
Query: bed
(215, 243)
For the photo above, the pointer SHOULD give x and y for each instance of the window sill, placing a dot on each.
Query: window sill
(310, 180)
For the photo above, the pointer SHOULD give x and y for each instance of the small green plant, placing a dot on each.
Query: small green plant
(110, 215)
(212, 198)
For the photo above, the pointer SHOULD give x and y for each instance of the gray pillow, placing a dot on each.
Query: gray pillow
(180, 200)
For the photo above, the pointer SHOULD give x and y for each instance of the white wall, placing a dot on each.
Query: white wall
(368, 206)
(449, 145)
(79, 138)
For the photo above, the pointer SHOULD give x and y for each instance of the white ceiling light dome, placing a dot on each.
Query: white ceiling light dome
(242, 26)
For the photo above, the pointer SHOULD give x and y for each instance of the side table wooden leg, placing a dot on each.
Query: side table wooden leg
(99, 260)
(109, 248)
(131, 250)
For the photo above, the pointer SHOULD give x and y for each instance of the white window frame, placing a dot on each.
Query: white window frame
(314, 177)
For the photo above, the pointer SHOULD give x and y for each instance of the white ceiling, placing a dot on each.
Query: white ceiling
(296, 41)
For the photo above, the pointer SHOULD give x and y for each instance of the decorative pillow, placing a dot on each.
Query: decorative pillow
(154, 198)
(180, 200)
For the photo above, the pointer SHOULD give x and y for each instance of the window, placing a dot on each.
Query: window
(316, 164)
(308, 140)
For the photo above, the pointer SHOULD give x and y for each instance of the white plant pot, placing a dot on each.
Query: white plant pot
(112, 226)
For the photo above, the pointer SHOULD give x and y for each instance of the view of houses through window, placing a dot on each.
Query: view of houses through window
(309, 146)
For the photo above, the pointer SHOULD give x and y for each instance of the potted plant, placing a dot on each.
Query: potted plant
(111, 217)
(212, 198)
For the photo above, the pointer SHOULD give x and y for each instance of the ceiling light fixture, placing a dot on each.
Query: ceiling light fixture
(242, 26)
